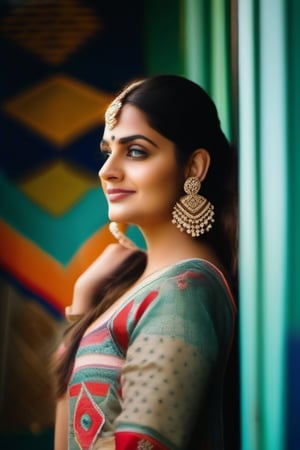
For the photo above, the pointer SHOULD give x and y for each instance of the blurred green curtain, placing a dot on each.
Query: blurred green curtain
(267, 75)
(245, 53)
(208, 28)
(263, 221)
(268, 39)
(210, 59)
(192, 38)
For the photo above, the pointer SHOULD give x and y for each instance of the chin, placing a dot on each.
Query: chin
(120, 218)
(123, 216)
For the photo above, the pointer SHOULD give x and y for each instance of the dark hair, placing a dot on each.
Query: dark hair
(183, 112)
(114, 286)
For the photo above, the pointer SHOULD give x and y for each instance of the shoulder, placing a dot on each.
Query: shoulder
(192, 275)
(192, 281)
(190, 290)
(189, 300)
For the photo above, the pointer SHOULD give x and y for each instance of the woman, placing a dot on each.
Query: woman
(143, 368)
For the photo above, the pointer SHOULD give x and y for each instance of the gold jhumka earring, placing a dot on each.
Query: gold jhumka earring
(193, 213)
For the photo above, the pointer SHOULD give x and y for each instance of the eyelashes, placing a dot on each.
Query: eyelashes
(131, 152)
(136, 153)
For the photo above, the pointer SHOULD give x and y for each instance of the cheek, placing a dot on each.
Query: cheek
(165, 186)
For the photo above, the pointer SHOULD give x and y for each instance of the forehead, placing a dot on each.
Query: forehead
(128, 118)
(133, 122)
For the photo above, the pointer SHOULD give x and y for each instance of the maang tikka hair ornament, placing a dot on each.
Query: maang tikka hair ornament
(111, 115)
(193, 213)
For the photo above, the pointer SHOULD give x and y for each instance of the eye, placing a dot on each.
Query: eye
(136, 153)
(105, 153)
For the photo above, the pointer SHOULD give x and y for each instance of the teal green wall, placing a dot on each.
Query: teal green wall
(269, 101)
(163, 36)
(263, 221)
(207, 52)
(192, 38)
(293, 293)
(293, 89)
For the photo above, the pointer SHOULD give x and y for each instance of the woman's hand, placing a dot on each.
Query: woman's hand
(89, 284)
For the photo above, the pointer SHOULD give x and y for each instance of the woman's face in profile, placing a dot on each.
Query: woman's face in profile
(140, 177)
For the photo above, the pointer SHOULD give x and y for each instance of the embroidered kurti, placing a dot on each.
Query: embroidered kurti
(151, 375)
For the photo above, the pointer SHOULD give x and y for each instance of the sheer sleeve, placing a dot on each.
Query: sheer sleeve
(171, 357)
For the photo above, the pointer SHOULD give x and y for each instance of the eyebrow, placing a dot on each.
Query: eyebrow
(127, 139)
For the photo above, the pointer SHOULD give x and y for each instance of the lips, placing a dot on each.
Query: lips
(118, 194)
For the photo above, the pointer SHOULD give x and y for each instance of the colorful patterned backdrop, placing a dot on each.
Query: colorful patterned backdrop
(61, 62)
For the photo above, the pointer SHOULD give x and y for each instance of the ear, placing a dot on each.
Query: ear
(198, 164)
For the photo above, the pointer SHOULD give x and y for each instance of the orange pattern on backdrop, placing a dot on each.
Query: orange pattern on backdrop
(42, 273)
(51, 120)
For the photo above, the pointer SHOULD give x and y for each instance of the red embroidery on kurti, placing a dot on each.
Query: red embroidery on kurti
(119, 327)
(144, 304)
(88, 420)
(98, 389)
(182, 283)
(182, 279)
(129, 440)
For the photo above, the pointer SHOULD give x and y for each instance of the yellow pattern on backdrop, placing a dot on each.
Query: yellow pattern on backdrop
(60, 108)
(68, 185)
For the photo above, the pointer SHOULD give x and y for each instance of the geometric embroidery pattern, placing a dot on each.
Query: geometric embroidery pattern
(144, 445)
(88, 419)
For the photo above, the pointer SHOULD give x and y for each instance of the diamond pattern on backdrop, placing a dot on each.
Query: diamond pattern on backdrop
(63, 62)
(60, 109)
(65, 59)
(56, 188)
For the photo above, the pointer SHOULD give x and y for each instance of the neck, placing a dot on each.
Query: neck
(166, 245)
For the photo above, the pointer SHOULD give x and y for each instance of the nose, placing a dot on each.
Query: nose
(110, 169)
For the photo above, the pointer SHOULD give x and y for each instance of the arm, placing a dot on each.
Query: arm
(91, 281)
(169, 368)
(61, 424)
(163, 396)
